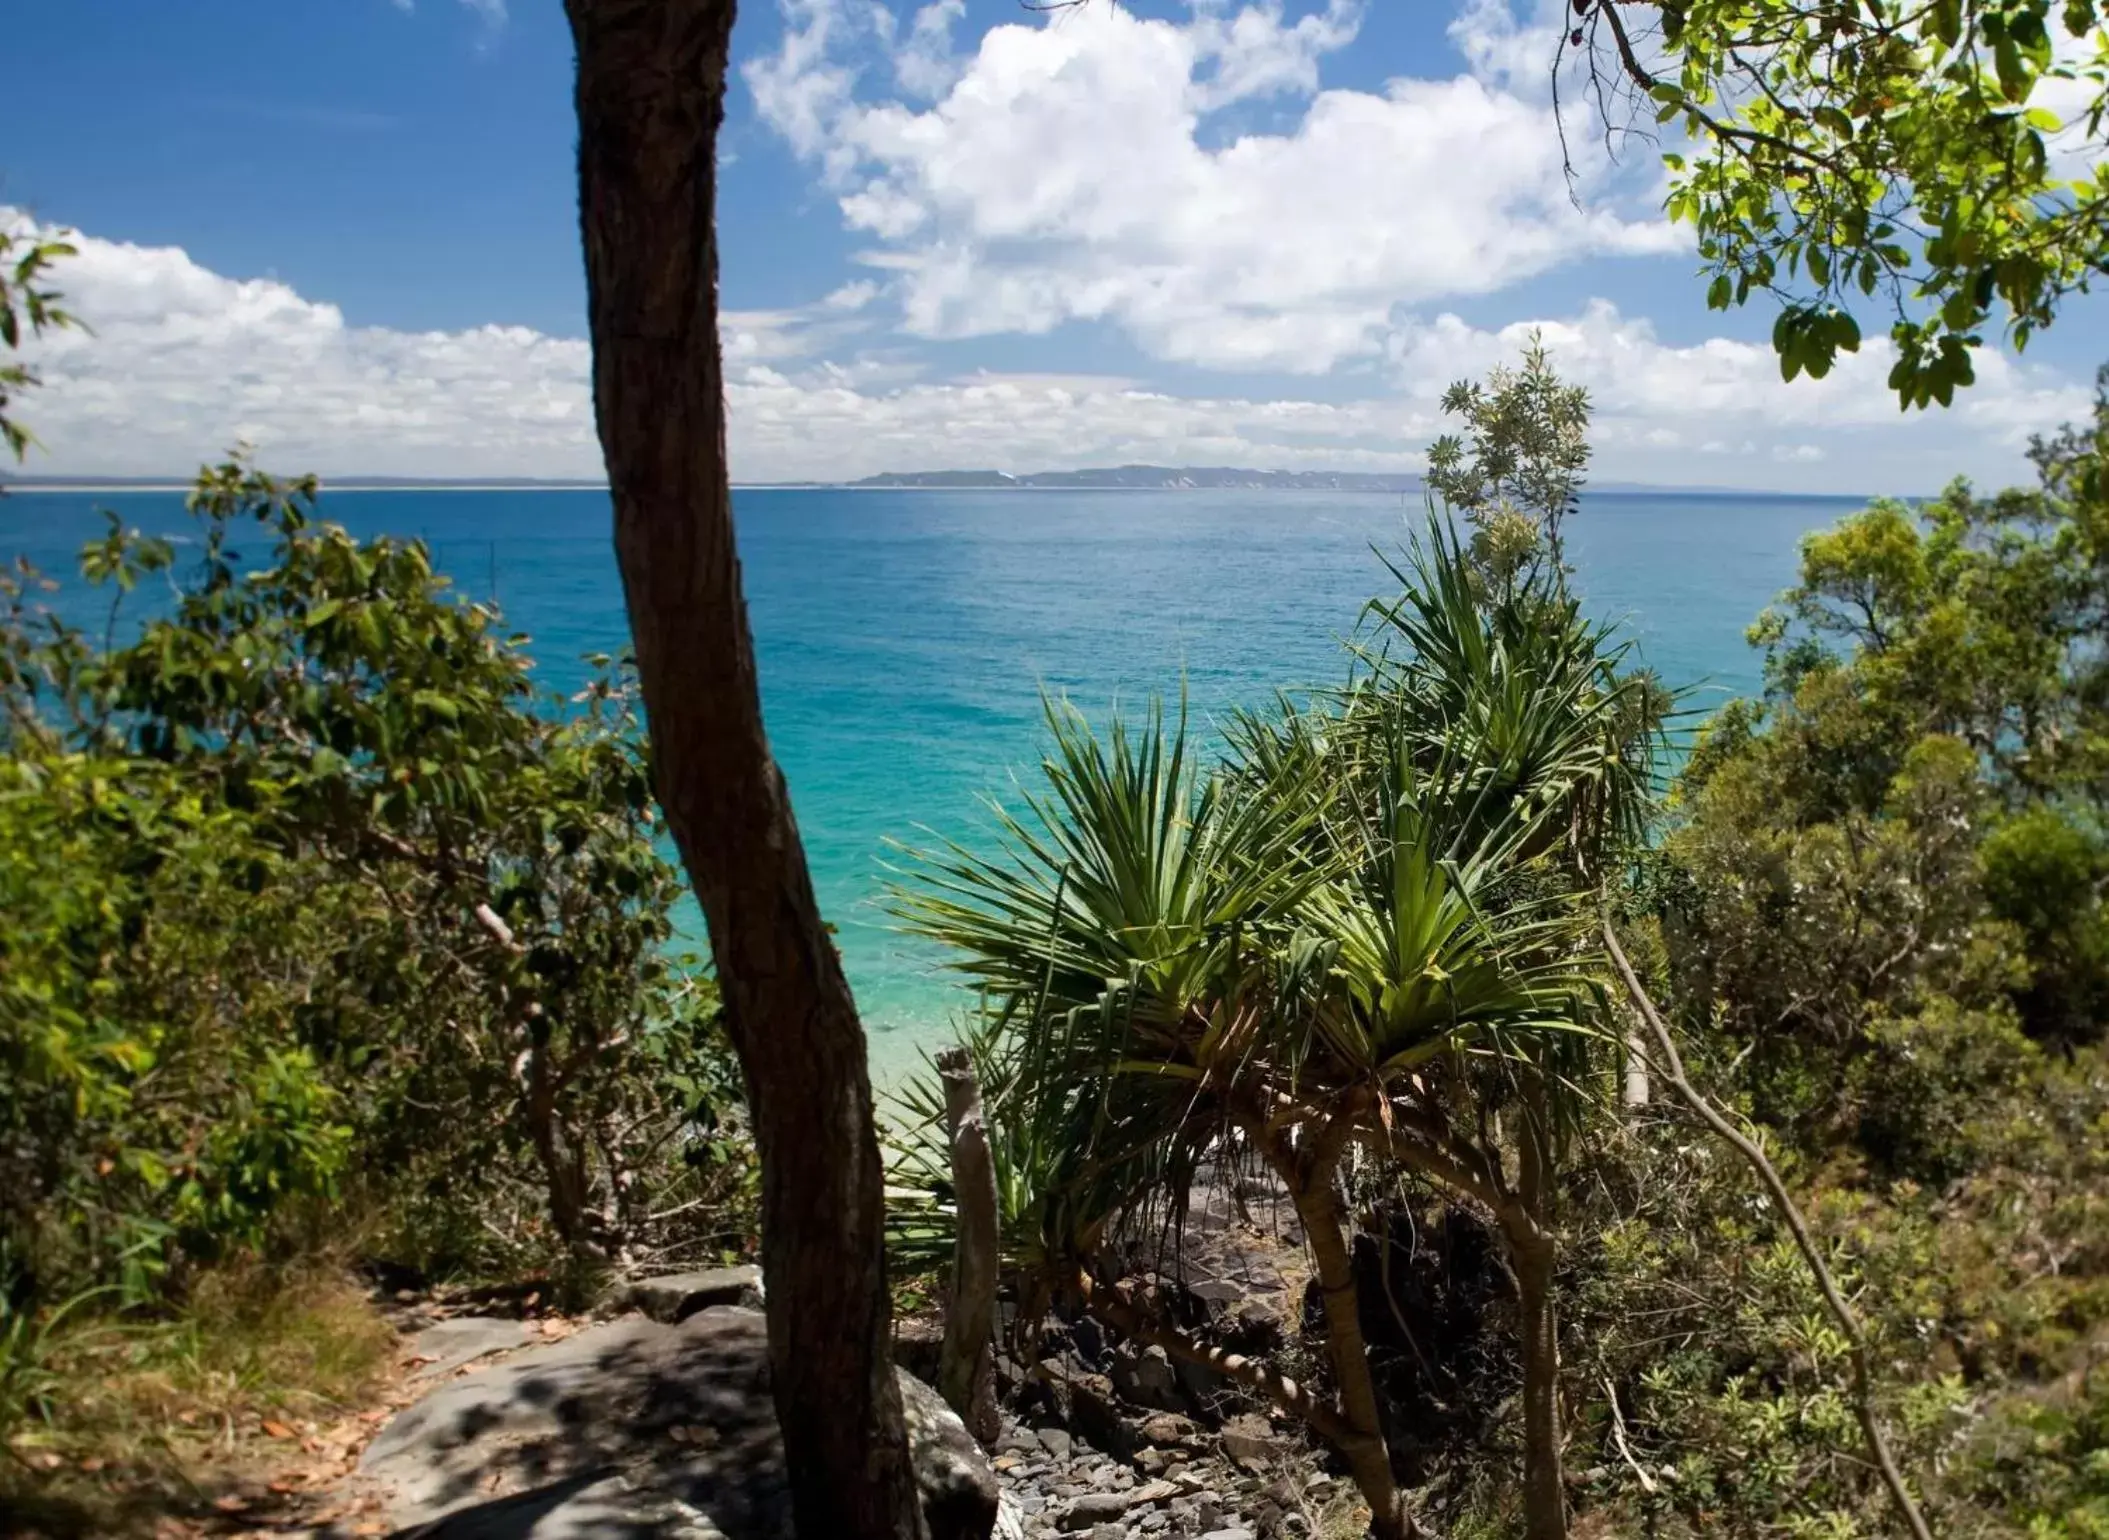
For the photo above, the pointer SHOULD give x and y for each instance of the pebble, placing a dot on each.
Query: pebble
(1063, 1489)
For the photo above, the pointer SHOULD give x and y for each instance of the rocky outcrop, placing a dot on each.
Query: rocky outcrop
(674, 1297)
(636, 1427)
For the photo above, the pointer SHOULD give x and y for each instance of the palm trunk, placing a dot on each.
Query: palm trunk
(1367, 1454)
(650, 97)
(1308, 1174)
(1532, 1250)
(1544, 1503)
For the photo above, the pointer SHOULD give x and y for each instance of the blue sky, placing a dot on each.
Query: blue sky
(953, 233)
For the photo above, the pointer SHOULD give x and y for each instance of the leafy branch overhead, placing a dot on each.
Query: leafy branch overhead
(1940, 160)
(27, 309)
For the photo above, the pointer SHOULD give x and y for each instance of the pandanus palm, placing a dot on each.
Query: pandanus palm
(1355, 937)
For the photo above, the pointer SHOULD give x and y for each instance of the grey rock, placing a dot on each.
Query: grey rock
(674, 1297)
(1056, 1442)
(959, 1490)
(450, 1344)
(1166, 1428)
(636, 1428)
(1094, 1508)
(1094, 1415)
(1147, 1378)
(1251, 1442)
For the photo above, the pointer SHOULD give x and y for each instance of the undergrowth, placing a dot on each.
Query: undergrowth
(107, 1421)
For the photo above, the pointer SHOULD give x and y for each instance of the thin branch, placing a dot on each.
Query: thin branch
(1863, 1393)
(1618, 1437)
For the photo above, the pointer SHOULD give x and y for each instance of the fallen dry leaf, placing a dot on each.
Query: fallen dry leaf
(231, 1503)
(277, 1429)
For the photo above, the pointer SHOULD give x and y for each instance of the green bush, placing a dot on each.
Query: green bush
(315, 905)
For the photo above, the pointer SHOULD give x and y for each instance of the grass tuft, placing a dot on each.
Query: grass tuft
(112, 1421)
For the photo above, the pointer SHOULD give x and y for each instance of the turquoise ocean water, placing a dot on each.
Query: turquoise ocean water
(905, 636)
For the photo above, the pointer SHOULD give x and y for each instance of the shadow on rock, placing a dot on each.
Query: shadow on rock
(636, 1427)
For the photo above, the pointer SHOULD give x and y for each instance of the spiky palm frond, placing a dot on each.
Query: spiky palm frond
(1386, 891)
(1530, 690)
(1126, 877)
(1110, 934)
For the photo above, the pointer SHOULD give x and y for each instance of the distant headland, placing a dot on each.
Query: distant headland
(1155, 478)
(1113, 478)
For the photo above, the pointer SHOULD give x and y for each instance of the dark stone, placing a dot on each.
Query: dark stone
(1095, 1418)
(1089, 1340)
(918, 1345)
(675, 1297)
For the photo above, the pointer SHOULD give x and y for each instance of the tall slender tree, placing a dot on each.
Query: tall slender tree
(650, 97)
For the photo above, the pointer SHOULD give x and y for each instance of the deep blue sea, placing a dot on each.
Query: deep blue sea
(906, 636)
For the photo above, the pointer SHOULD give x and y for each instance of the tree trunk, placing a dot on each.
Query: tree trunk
(967, 1365)
(1527, 1225)
(1367, 1454)
(1308, 1174)
(562, 1172)
(650, 97)
(1544, 1503)
(1636, 1089)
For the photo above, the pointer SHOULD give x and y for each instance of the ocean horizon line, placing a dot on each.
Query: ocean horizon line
(119, 485)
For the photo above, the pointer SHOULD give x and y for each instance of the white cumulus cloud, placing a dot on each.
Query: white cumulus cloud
(184, 361)
(1191, 183)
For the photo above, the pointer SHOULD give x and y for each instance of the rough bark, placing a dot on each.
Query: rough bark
(1544, 1504)
(967, 1362)
(650, 97)
(1672, 1067)
(1527, 1224)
